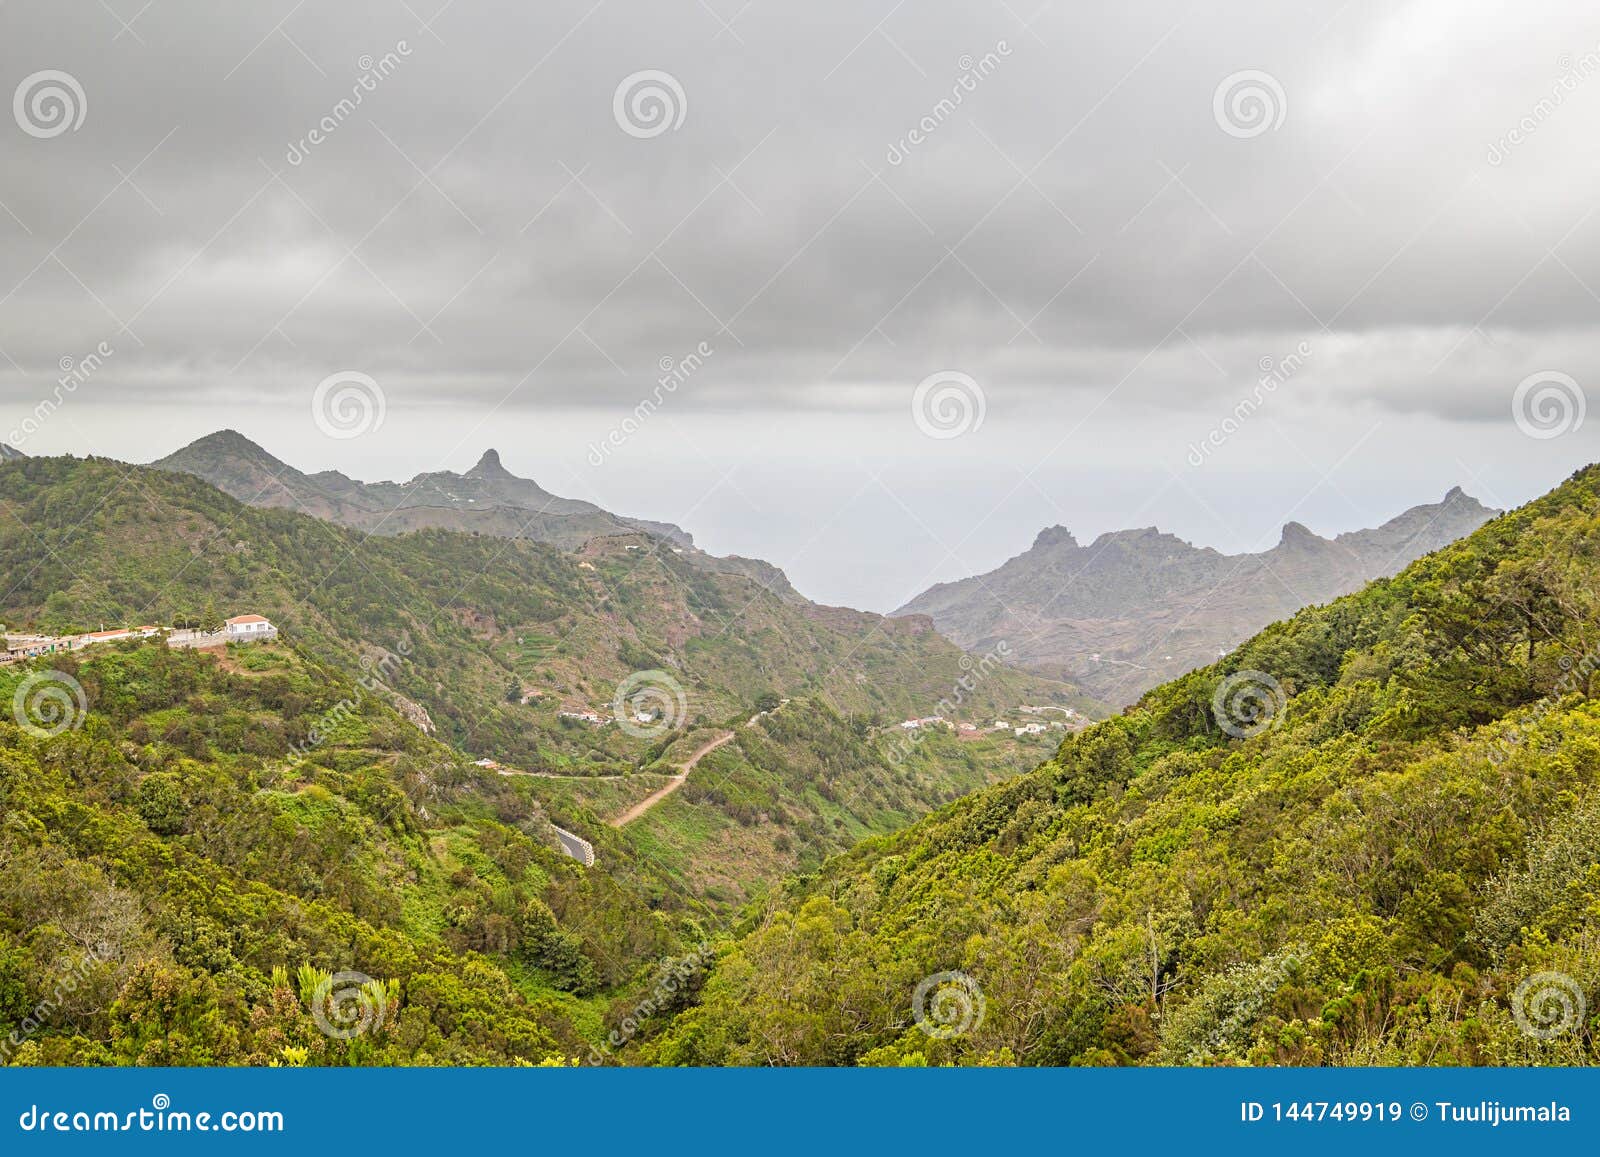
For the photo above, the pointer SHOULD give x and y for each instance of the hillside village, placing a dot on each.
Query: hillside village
(245, 628)
(1071, 721)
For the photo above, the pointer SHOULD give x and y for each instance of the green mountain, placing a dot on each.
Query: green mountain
(1135, 608)
(1370, 835)
(497, 647)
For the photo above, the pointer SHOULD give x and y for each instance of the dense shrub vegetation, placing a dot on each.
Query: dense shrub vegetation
(1401, 863)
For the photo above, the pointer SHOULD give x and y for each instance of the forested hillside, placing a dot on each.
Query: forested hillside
(175, 889)
(1371, 835)
(494, 637)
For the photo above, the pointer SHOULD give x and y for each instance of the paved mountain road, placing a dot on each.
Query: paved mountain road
(576, 846)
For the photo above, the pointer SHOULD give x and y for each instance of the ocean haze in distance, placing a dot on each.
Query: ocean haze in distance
(1082, 236)
(875, 528)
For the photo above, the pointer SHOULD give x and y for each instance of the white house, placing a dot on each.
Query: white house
(247, 627)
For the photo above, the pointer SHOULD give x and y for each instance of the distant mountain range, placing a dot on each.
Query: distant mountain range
(1136, 608)
(487, 499)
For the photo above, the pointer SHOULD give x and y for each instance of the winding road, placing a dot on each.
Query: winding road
(673, 784)
(581, 849)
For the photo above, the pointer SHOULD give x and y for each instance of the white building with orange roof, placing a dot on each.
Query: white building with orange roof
(246, 627)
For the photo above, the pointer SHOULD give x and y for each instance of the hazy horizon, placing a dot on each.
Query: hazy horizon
(900, 559)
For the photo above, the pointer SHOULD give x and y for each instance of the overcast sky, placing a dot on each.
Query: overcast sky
(1094, 227)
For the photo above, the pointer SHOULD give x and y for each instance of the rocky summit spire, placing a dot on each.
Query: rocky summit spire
(489, 467)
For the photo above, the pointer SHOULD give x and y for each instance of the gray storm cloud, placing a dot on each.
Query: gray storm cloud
(856, 194)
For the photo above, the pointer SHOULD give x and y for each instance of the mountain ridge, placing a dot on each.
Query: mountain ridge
(1141, 605)
(488, 498)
